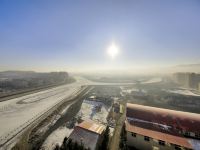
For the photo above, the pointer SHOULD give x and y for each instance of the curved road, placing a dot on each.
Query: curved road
(17, 113)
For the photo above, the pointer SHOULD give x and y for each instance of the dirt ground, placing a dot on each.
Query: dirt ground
(115, 140)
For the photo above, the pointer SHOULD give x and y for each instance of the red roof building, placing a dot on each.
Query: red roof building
(167, 127)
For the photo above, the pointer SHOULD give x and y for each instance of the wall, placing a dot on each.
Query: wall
(139, 143)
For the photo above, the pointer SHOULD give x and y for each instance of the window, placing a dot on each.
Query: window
(161, 142)
(187, 133)
(197, 135)
(146, 138)
(133, 134)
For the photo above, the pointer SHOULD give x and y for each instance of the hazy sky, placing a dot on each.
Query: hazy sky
(45, 35)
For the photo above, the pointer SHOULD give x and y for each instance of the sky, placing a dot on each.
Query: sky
(51, 35)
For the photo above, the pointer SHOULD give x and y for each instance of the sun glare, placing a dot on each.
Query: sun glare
(113, 50)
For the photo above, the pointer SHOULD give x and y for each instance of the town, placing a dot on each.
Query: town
(99, 75)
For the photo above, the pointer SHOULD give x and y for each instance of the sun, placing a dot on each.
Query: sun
(113, 50)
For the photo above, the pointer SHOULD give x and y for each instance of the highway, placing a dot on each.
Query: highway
(16, 114)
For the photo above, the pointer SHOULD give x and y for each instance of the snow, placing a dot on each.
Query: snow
(183, 92)
(87, 111)
(17, 113)
(56, 137)
(64, 110)
(130, 90)
(111, 131)
(13, 115)
(154, 123)
(153, 80)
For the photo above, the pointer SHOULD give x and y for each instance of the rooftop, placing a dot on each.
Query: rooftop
(88, 133)
(87, 138)
(92, 126)
(176, 120)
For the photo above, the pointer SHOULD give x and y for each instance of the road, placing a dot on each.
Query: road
(16, 113)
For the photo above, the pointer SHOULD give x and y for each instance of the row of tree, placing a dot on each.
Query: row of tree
(68, 144)
(32, 80)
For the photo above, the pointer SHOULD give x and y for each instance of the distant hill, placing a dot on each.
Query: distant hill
(28, 79)
(17, 74)
(28, 74)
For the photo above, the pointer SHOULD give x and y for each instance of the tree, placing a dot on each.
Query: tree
(57, 147)
(65, 141)
(76, 146)
(64, 144)
(69, 144)
(104, 145)
(81, 146)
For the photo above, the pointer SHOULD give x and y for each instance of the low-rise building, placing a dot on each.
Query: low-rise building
(89, 134)
(156, 128)
(199, 87)
(186, 79)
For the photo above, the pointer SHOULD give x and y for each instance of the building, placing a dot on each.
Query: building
(189, 80)
(121, 109)
(199, 86)
(156, 128)
(88, 133)
(116, 107)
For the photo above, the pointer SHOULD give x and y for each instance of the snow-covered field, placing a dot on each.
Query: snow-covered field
(125, 90)
(183, 92)
(129, 90)
(87, 111)
(56, 137)
(153, 80)
(19, 112)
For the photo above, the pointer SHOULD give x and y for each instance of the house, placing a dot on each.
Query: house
(89, 134)
(156, 128)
